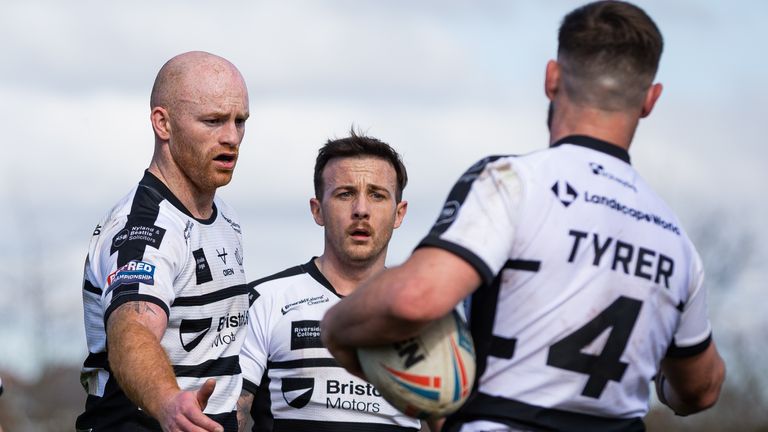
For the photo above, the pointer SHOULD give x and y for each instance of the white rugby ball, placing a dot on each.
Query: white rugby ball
(428, 376)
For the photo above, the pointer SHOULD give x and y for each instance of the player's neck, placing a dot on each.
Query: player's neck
(199, 203)
(616, 128)
(345, 276)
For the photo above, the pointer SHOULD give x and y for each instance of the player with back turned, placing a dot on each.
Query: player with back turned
(582, 285)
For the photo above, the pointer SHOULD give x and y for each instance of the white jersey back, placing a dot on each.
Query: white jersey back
(298, 385)
(589, 282)
(149, 248)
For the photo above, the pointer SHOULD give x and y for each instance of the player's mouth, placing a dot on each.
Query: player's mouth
(226, 160)
(360, 233)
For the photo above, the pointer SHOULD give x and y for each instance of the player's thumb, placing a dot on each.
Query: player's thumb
(205, 392)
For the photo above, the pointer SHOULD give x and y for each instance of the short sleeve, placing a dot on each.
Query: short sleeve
(479, 217)
(139, 261)
(694, 332)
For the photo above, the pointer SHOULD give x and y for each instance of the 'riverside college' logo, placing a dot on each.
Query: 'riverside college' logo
(297, 392)
(564, 192)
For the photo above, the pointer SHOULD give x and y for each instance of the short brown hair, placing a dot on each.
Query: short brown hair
(357, 145)
(609, 52)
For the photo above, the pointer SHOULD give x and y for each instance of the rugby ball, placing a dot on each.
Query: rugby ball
(428, 376)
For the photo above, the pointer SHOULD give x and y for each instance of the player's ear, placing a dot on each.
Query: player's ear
(317, 211)
(400, 210)
(161, 123)
(552, 79)
(651, 96)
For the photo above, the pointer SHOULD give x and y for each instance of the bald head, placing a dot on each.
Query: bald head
(181, 77)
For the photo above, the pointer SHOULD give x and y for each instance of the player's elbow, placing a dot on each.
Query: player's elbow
(703, 396)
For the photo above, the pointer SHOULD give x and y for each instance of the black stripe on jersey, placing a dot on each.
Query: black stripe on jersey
(211, 297)
(313, 271)
(480, 266)
(332, 426)
(675, 351)
(91, 288)
(151, 182)
(457, 195)
(97, 360)
(531, 417)
(303, 363)
(261, 408)
(216, 367)
(525, 265)
(228, 420)
(119, 300)
(502, 347)
(293, 271)
(595, 144)
(482, 315)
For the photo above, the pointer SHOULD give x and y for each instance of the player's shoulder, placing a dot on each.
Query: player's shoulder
(277, 282)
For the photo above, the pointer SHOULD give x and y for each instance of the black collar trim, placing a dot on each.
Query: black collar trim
(312, 270)
(595, 144)
(149, 180)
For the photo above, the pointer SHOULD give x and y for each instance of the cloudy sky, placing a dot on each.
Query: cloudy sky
(445, 82)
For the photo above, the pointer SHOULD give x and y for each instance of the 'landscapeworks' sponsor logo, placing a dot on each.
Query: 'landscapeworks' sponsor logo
(632, 212)
(599, 170)
(309, 301)
(235, 226)
(341, 395)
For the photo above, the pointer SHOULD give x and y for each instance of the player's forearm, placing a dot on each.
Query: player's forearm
(244, 403)
(691, 385)
(140, 365)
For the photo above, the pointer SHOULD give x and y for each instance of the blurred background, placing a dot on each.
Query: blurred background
(445, 82)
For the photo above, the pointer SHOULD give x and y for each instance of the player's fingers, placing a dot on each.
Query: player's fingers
(205, 392)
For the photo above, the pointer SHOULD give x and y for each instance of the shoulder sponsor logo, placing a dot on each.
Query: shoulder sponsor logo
(448, 213)
(297, 391)
(192, 332)
(97, 230)
(564, 192)
(133, 272)
(135, 232)
(202, 269)
(188, 230)
(309, 301)
(599, 170)
(238, 257)
(305, 334)
(235, 226)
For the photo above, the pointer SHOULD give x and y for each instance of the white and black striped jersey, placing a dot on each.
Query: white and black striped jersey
(298, 385)
(589, 281)
(150, 248)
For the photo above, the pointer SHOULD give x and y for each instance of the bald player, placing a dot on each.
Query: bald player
(164, 292)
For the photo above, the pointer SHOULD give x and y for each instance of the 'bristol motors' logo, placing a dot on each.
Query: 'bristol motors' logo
(192, 332)
(297, 392)
(564, 192)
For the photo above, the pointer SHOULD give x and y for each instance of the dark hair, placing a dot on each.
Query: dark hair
(609, 52)
(354, 146)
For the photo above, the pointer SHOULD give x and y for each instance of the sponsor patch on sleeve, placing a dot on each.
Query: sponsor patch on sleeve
(133, 272)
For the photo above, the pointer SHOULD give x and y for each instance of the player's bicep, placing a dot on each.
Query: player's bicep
(146, 314)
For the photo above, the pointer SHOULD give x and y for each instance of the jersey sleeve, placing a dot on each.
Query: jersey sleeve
(478, 220)
(255, 350)
(694, 332)
(138, 261)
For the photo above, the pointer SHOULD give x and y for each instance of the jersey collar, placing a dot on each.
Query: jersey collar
(595, 144)
(313, 271)
(149, 180)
